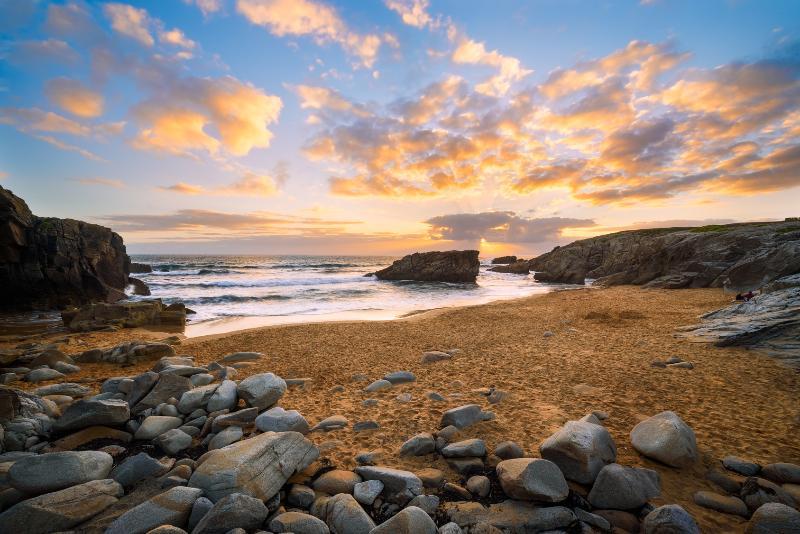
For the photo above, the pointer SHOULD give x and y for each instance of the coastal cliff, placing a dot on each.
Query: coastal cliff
(739, 256)
(47, 262)
(450, 266)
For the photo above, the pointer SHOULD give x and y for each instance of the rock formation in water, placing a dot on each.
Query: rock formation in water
(739, 256)
(516, 267)
(450, 266)
(504, 260)
(47, 262)
(139, 268)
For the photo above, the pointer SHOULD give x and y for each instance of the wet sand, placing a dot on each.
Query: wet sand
(598, 358)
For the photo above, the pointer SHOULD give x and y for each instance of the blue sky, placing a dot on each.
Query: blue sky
(308, 126)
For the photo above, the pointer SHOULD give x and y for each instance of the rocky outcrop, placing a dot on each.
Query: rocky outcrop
(738, 256)
(139, 268)
(47, 262)
(504, 260)
(517, 267)
(123, 315)
(450, 266)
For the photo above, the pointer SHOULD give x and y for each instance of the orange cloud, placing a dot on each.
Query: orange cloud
(129, 21)
(510, 69)
(74, 97)
(413, 12)
(250, 185)
(176, 37)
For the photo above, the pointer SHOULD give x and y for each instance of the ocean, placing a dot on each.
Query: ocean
(235, 292)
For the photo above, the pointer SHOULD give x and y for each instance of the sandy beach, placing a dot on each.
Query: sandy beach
(597, 358)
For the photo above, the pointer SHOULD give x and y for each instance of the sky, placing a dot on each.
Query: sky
(387, 127)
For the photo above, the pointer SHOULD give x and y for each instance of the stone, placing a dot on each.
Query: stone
(50, 358)
(450, 528)
(300, 496)
(666, 438)
(433, 356)
(362, 426)
(336, 481)
(199, 509)
(466, 466)
(276, 419)
(758, 491)
(769, 518)
(155, 425)
(201, 379)
(410, 520)
(479, 485)
(238, 357)
(343, 514)
(419, 445)
(724, 481)
(65, 388)
(782, 473)
(468, 448)
(62, 510)
(669, 518)
(463, 416)
(334, 422)
(174, 441)
(434, 396)
(298, 523)
(258, 466)
(142, 385)
(227, 436)
(508, 450)
(400, 377)
(81, 437)
(224, 398)
(721, 503)
(461, 493)
(90, 412)
(396, 481)
(517, 267)
(580, 450)
(428, 503)
(594, 520)
(42, 374)
(183, 370)
(45, 473)
(532, 479)
(240, 418)
(738, 465)
(167, 387)
(261, 390)
(366, 492)
(624, 488)
(430, 477)
(196, 398)
(136, 468)
(451, 266)
(378, 385)
(509, 516)
(232, 511)
(169, 508)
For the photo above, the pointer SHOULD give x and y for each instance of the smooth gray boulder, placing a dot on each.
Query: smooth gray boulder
(508, 450)
(224, 398)
(276, 419)
(343, 514)
(169, 508)
(262, 390)
(199, 510)
(624, 488)
(298, 523)
(397, 483)
(409, 520)
(334, 422)
(136, 468)
(400, 377)
(167, 387)
(464, 416)
(366, 492)
(580, 450)
(738, 465)
(45, 473)
(240, 418)
(196, 398)
(758, 491)
(155, 425)
(336, 481)
(225, 437)
(467, 448)
(666, 438)
(669, 518)
(258, 466)
(233, 511)
(61, 510)
(238, 357)
(64, 388)
(42, 374)
(727, 504)
(418, 445)
(532, 479)
(174, 441)
(91, 412)
(770, 518)
(781, 473)
(378, 385)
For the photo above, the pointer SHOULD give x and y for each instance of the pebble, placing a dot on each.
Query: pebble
(479, 485)
(334, 422)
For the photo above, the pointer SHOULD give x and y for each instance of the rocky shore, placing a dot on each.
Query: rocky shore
(397, 427)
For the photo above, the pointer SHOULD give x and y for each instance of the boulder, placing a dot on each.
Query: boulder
(169, 508)
(238, 357)
(669, 518)
(624, 488)
(196, 398)
(276, 419)
(468, 448)
(758, 491)
(225, 437)
(140, 268)
(336, 481)
(508, 450)
(224, 398)
(782, 473)
(92, 412)
(433, 356)
(378, 385)
(366, 492)
(155, 425)
(174, 441)
(343, 514)
(464, 416)
(504, 260)
(334, 422)
(298, 523)
(42, 374)
(400, 377)
(396, 482)
(262, 390)
(532, 479)
(240, 418)
(726, 504)
(419, 445)
(139, 287)
(62, 510)
(167, 387)
(666, 438)
(580, 450)
(518, 267)
(258, 466)
(738, 465)
(45, 473)
(410, 520)
(770, 518)
(136, 468)
(81, 437)
(451, 266)
(233, 511)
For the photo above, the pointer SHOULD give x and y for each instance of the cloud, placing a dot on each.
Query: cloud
(107, 182)
(74, 97)
(510, 69)
(176, 37)
(28, 119)
(3, 175)
(310, 18)
(44, 51)
(130, 21)
(206, 6)
(413, 12)
(249, 185)
(176, 120)
(500, 227)
(68, 147)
